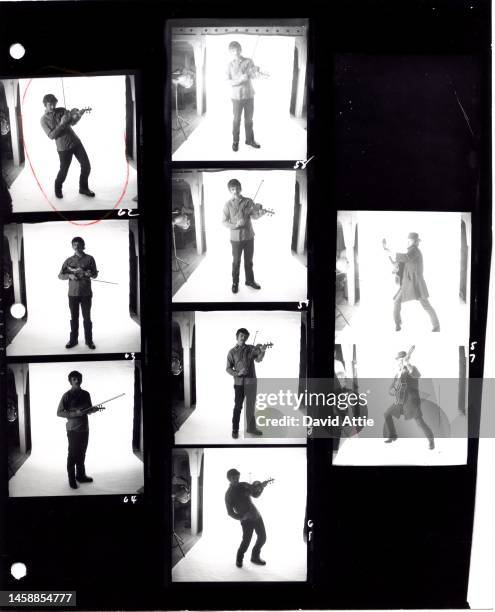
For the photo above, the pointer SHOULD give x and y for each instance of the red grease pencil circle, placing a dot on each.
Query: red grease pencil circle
(124, 188)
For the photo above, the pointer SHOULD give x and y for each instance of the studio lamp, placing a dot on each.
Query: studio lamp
(181, 78)
(181, 493)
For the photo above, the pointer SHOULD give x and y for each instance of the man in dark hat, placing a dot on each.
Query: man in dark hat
(240, 71)
(412, 282)
(407, 401)
(75, 405)
(79, 270)
(241, 508)
(57, 122)
(240, 365)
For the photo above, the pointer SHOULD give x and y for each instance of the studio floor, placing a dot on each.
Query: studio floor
(46, 476)
(28, 197)
(404, 451)
(212, 559)
(282, 139)
(211, 423)
(50, 339)
(454, 322)
(212, 281)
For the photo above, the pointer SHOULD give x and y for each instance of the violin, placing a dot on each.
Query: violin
(256, 73)
(259, 208)
(263, 347)
(74, 114)
(257, 487)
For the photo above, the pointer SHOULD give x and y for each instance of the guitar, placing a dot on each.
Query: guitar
(397, 267)
(399, 386)
(257, 486)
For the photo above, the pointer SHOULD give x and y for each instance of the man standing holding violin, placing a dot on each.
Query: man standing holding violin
(240, 71)
(405, 388)
(240, 365)
(237, 215)
(79, 270)
(75, 405)
(241, 508)
(57, 122)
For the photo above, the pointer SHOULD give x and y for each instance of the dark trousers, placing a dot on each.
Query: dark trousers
(248, 527)
(78, 443)
(423, 301)
(392, 432)
(84, 302)
(249, 393)
(79, 152)
(239, 247)
(248, 107)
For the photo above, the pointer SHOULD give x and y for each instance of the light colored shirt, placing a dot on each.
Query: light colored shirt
(236, 69)
(244, 211)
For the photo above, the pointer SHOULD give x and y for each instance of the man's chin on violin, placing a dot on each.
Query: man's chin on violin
(57, 124)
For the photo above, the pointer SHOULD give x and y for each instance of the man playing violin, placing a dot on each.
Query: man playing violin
(237, 215)
(241, 508)
(405, 388)
(240, 71)
(75, 405)
(79, 270)
(57, 122)
(240, 365)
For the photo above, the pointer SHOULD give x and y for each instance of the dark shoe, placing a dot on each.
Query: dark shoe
(258, 561)
(71, 343)
(254, 285)
(235, 147)
(431, 446)
(255, 432)
(254, 144)
(73, 483)
(397, 328)
(436, 328)
(90, 344)
(235, 288)
(390, 440)
(238, 562)
(235, 435)
(87, 192)
(58, 192)
(84, 478)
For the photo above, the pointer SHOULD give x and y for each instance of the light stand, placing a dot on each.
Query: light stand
(177, 260)
(186, 81)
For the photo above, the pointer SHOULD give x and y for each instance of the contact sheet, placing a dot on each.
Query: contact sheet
(243, 324)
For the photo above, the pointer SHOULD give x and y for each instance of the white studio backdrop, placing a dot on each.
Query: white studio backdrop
(215, 336)
(46, 247)
(440, 245)
(282, 504)
(281, 275)
(273, 54)
(437, 362)
(109, 458)
(102, 133)
(273, 234)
